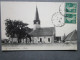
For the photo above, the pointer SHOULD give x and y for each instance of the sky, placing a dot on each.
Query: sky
(25, 11)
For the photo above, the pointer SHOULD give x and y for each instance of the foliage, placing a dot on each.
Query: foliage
(16, 28)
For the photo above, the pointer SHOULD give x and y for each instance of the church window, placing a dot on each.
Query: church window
(48, 39)
(40, 39)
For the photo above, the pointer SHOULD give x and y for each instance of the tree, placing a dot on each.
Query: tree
(17, 28)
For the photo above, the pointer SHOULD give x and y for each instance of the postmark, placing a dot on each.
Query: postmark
(57, 19)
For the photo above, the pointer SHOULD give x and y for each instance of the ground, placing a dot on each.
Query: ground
(53, 46)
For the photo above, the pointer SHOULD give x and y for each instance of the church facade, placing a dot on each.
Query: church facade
(42, 35)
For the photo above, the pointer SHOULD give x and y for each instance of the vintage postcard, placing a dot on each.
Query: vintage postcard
(38, 26)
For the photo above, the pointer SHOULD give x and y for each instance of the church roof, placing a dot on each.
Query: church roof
(43, 31)
(72, 36)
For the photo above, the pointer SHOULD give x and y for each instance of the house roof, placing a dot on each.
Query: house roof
(43, 31)
(72, 36)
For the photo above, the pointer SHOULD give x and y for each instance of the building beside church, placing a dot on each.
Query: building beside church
(71, 37)
(41, 35)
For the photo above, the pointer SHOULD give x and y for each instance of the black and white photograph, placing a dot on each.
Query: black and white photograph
(38, 26)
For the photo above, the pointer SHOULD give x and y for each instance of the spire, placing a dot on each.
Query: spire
(37, 15)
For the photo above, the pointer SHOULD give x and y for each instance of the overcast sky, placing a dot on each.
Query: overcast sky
(25, 11)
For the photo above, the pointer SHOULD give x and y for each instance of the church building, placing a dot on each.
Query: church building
(41, 35)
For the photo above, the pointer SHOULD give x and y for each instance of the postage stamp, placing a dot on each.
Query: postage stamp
(71, 12)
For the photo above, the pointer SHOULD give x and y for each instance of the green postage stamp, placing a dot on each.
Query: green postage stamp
(71, 13)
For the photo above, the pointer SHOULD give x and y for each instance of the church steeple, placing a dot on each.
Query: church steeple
(36, 21)
(37, 17)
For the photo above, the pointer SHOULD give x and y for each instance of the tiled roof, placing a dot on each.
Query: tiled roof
(43, 31)
(72, 36)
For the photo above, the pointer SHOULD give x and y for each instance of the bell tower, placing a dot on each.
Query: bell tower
(36, 21)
